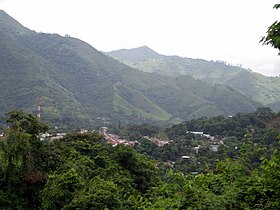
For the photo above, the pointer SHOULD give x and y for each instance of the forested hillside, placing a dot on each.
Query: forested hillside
(79, 85)
(137, 130)
(263, 89)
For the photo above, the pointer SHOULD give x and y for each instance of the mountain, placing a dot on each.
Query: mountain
(263, 89)
(81, 86)
(136, 55)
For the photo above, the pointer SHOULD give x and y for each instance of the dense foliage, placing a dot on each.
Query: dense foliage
(273, 34)
(79, 171)
(82, 171)
(206, 163)
(223, 137)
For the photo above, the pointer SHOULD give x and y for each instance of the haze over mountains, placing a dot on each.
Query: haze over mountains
(79, 85)
(263, 89)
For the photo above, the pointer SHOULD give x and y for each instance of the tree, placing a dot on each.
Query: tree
(60, 189)
(23, 122)
(264, 186)
(273, 34)
(97, 194)
(22, 161)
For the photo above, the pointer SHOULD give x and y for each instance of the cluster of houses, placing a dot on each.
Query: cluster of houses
(51, 136)
(115, 139)
(213, 142)
(200, 133)
(110, 138)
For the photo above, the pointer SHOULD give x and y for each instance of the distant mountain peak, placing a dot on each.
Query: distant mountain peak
(77, 83)
(138, 54)
(145, 49)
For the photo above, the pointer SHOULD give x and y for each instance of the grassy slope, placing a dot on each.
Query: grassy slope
(77, 83)
(259, 87)
(265, 90)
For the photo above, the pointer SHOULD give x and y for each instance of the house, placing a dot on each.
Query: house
(83, 130)
(194, 172)
(196, 132)
(196, 148)
(214, 147)
(185, 157)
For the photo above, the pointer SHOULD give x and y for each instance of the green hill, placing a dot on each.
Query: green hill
(79, 85)
(263, 89)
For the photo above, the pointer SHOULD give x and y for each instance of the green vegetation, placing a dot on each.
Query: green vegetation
(222, 138)
(213, 161)
(135, 103)
(82, 171)
(262, 89)
(79, 171)
(273, 34)
(79, 85)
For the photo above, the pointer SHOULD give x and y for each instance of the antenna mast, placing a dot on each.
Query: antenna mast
(38, 110)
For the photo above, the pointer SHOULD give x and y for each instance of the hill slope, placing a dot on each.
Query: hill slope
(79, 85)
(265, 90)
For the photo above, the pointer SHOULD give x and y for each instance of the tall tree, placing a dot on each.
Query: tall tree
(22, 162)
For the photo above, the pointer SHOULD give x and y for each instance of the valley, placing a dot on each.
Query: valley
(79, 84)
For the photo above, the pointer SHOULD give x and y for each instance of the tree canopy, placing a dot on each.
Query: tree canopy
(82, 171)
(273, 34)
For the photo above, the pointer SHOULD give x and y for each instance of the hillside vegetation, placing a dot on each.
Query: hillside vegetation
(263, 89)
(82, 171)
(79, 85)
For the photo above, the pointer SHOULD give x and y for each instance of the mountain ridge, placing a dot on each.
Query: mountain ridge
(263, 89)
(79, 85)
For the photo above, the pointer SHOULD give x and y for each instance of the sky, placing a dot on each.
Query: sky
(227, 30)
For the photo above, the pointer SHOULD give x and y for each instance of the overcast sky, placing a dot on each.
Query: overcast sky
(227, 30)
